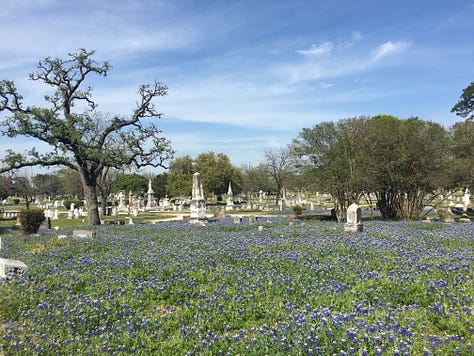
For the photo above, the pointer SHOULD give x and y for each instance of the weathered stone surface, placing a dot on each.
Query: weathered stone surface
(11, 268)
(83, 233)
(198, 204)
(354, 215)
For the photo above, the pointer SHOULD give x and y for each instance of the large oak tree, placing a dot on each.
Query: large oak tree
(85, 141)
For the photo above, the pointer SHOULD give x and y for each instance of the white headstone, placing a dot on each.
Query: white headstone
(83, 233)
(230, 199)
(466, 200)
(353, 223)
(151, 199)
(198, 204)
(11, 268)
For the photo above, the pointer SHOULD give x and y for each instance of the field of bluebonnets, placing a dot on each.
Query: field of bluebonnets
(308, 288)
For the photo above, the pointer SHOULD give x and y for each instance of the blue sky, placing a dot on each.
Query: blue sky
(246, 76)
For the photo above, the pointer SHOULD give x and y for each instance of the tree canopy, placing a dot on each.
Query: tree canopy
(465, 106)
(86, 141)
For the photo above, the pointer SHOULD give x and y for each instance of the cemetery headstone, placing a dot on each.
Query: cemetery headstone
(198, 204)
(11, 268)
(151, 199)
(466, 200)
(83, 233)
(230, 199)
(354, 215)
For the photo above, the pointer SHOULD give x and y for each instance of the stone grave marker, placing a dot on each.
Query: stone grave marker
(230, 199)
(11, 268)
(83, 233)
(198, 204)
(353, 223)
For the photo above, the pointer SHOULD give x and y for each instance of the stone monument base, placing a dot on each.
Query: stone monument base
(353, 227)
(198, 210)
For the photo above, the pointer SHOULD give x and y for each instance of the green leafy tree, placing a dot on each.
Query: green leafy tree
(406, 164)
(159, 183)
(216, 173)
(461, 172)
(83, 141)
(333, 155)
(135, 183)
(465, 106)
(180, 177)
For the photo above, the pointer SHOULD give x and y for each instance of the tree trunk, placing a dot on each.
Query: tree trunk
(89, 183)
(103, 205)
(92, 204)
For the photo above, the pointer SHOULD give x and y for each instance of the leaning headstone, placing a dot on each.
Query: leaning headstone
(198, 204)
(353, 223)
(11, 268)
(252, 219)
(83, 233)
(237, 219)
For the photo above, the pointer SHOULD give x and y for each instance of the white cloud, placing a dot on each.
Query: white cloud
(390, 48)
(316, 51)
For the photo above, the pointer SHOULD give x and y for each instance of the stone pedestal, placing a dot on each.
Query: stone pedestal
(198, 209)
(198, 203)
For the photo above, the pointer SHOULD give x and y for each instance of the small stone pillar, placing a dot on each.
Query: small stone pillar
(353, 223)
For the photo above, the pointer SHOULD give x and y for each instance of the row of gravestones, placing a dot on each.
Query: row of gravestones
(10, 268)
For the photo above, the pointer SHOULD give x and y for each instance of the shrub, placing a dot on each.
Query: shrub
(298, 210)
(16, 201)
(31, 219)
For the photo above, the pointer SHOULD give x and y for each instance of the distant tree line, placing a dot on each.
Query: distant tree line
(402, 162)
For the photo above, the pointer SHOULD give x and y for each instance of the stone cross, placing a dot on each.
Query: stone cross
(353, 223)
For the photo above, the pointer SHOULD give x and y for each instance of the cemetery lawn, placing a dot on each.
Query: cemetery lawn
(299, 288)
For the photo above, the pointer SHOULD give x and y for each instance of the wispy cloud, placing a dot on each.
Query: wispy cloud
(315, 51)
(328, 60)
(390, 48)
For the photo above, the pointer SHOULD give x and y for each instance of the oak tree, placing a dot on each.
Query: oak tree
(81, 139)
